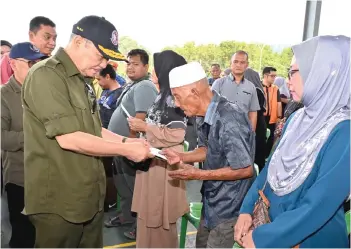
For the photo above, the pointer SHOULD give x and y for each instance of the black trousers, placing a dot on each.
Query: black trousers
(23, 232)
(270, 140)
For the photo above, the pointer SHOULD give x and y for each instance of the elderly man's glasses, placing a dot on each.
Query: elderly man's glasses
(292, 72)
(30, 63)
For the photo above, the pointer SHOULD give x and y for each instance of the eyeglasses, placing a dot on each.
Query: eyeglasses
(292, 72)
(30, 63)
(91, 97)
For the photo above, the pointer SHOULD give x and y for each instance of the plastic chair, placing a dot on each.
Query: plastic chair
(193, 217)
(347, 219)
(186, 146)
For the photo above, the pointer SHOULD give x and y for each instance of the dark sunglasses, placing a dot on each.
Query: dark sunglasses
(30, 63)
(292, 72)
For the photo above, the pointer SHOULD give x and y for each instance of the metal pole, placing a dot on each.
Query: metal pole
(312, 17)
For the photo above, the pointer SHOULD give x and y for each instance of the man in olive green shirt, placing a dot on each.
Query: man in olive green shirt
(64, 176)
(22, 57)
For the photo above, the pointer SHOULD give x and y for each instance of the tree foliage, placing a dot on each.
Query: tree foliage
(125, 45)
(222, 53)
(208, 54)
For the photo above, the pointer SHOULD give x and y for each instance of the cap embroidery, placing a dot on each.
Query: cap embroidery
(111, 53)
(114, 38)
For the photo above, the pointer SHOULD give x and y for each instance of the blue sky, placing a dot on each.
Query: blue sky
(156, 24)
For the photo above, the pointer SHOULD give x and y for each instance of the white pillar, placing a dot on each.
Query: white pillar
(312, 17)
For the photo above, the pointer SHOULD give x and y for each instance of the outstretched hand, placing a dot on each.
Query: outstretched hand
(186, 172)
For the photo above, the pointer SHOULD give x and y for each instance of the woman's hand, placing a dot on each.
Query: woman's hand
(242, 227)
(248, 240)
(137, 124)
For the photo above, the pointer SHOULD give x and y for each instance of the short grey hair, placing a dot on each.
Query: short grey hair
(72, 37)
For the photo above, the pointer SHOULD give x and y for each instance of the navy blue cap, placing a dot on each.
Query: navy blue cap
(103, 35)
(27, 51)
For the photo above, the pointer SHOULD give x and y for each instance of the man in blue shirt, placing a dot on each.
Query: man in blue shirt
(111, 92)
(215, 72)
(226, 145)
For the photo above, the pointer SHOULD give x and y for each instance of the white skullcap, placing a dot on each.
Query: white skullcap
(186, 74)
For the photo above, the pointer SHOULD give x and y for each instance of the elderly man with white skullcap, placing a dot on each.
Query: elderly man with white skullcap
(226, 145)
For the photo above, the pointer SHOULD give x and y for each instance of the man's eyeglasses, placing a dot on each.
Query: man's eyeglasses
(30, 63)
(292, 72)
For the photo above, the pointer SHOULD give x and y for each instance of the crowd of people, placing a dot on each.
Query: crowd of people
(74, 133)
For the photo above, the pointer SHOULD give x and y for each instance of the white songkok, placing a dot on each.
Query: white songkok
(186, 74)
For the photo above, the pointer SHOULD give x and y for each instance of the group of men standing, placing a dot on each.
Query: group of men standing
(54, 177)
(262, 99)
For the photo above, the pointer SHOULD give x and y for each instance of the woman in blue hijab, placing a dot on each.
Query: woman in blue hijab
(307, 179)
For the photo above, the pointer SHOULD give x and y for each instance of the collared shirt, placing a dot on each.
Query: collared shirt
(211, 81)
(58, 100)
(227, 133)
(243, 94)
(12, 132)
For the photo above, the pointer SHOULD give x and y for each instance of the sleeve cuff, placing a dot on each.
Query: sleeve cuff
(234, 164)
(246, 209)
(61, 126)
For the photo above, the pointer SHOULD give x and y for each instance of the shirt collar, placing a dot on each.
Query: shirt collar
(232, 78)
(212, 108)
(67, 62)
(15, 85)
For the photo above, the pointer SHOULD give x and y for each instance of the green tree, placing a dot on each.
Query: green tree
(125, 45)
(211, 53)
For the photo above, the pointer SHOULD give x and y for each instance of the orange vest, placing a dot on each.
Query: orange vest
(272, 103)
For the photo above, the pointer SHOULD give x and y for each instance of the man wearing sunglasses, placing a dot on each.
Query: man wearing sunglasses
(65, 182)
(22, 57)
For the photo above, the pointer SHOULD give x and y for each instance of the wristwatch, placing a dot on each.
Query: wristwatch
(124, 140)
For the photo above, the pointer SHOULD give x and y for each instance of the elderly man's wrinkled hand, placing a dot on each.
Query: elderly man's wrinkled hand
(186, 172)
(172, 156)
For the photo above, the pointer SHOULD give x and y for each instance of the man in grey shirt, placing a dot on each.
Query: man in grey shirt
(237, 89)
(136, 98)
